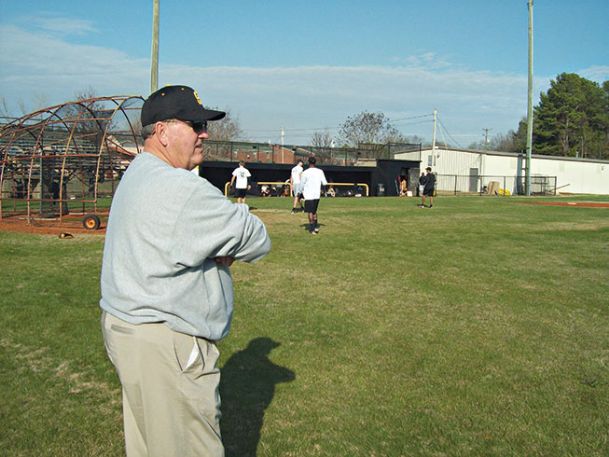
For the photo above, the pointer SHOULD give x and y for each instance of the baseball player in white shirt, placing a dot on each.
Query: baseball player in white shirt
(241, 175)
(311, 181)
(295, 181)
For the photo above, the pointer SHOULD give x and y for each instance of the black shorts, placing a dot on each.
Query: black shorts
(428, 192)
(310, 206)
(240, 193)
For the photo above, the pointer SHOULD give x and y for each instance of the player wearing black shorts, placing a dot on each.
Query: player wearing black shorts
(312, 180)
(240, 178)
(429, 189)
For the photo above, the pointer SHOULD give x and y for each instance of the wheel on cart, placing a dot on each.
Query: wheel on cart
(91, 221)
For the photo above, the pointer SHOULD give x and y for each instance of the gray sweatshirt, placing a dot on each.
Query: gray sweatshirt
(165, 227)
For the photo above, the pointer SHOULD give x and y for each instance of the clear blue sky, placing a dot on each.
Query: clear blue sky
(307, 65)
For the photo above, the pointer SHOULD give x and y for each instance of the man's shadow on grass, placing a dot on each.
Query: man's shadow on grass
(247, 388)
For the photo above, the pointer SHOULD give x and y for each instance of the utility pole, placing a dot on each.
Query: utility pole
(154, 66)
(282, 139)
(530, 103)
(486, 137)
(433, 136)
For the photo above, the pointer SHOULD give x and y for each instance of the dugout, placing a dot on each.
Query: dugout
(387, 173)
(381, 177)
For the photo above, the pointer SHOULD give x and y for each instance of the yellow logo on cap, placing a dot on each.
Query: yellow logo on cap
(197, 97)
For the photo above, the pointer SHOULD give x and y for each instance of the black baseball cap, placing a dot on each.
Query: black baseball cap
(177, 102)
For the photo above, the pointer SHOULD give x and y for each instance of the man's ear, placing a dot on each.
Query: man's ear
(162, 133)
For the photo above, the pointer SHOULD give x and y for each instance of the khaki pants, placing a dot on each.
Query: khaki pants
(171, 402)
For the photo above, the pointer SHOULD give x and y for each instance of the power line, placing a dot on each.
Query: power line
(273, 134)
(296, 130)
(427, 121)
(411, 117)
(316, 129)
(448, 134)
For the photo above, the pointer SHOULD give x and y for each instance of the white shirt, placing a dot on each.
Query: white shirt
(242, 174)
(296, 173)
(312, 180)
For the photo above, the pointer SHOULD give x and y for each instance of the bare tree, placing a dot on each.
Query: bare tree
(84, 94)
(414, 139)
(91, 115)
(393, 135)
(507, 142)
(40, 100)
(22, 107)
(4, 112)
(322, 140)
(226, 129)
(369, 128)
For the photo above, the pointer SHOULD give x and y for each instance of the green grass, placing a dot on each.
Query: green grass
(477, 328)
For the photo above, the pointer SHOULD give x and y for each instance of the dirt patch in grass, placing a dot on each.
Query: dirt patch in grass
(71, 226)
(38, 361)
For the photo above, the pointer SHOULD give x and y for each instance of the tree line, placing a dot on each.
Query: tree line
(571, 120)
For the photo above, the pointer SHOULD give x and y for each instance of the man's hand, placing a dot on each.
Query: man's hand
(224, 261)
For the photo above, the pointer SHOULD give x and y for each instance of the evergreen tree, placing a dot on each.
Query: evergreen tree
(572, 118)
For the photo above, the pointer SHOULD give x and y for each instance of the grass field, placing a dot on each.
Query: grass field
(477, 328)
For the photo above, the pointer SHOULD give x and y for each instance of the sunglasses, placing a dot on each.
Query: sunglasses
(198, 127)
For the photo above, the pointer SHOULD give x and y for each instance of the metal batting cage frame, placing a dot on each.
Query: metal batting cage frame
(65, 161)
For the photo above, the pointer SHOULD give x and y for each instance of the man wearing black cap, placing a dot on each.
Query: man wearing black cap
(166, 287)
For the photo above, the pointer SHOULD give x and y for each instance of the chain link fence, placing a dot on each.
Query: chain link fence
(494, 185)
(233, 151)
